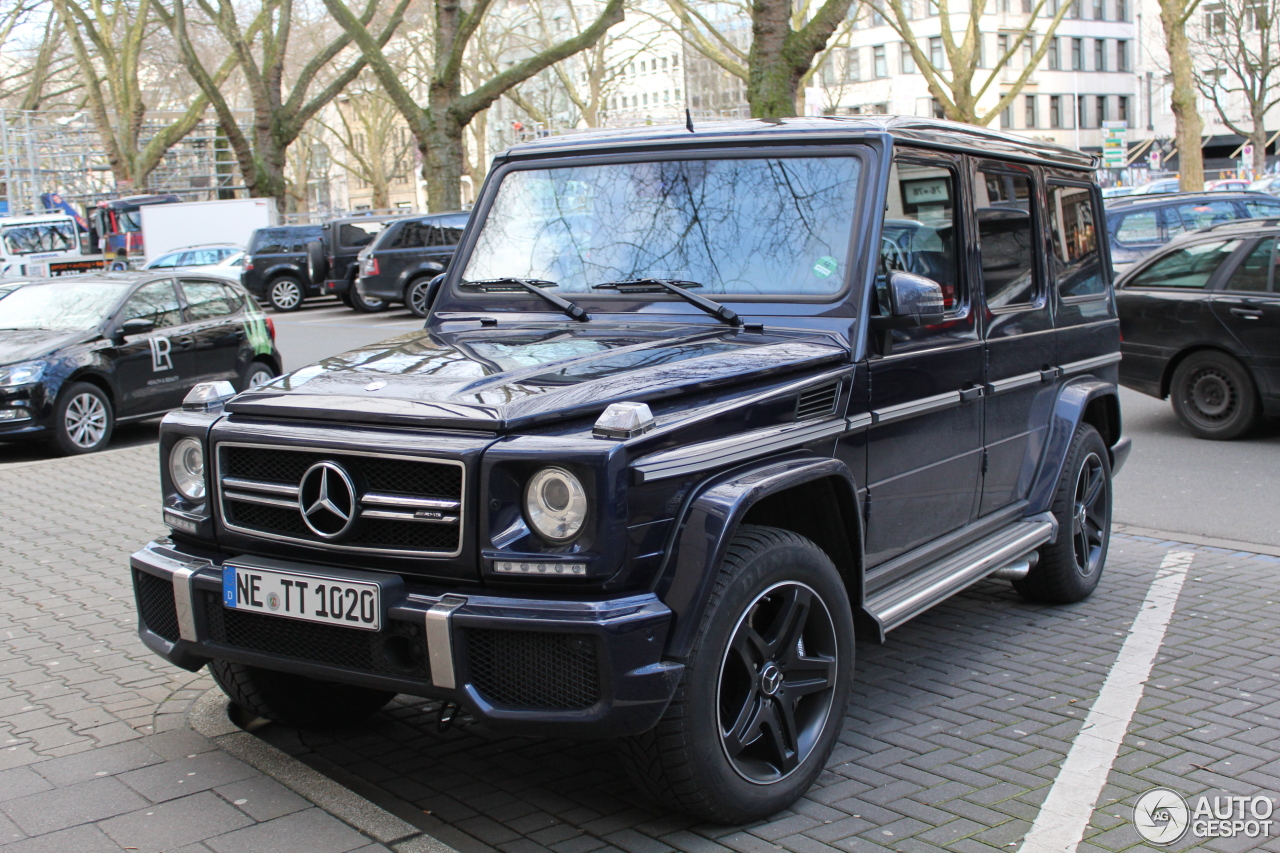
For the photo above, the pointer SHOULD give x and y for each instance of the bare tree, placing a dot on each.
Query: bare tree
(1239, 46)
(438, 126)
(376, 144)
(785, 40)
(262, 50)
(1188, 125)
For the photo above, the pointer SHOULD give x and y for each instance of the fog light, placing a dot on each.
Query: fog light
(14, 415)
(508, 567)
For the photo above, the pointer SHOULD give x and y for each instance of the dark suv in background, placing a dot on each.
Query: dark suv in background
(1137, 225)
(336, 261)
(276, 269)
(401, 262)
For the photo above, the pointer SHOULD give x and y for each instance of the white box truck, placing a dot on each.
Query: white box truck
(176, 226)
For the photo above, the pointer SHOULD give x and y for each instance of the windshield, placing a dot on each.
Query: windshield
(40, 237)
(73, 306)
(768, 226)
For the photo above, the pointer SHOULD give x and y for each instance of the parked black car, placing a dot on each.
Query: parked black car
(1201, 326)
(398, 266)
(278, 267)
(1137, 225)
(80, 354)
(679, 420)
(344, 240)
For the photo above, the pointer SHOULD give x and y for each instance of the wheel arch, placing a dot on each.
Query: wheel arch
(88, 375)
(427, 270)
(1084, 400)
(815, 497)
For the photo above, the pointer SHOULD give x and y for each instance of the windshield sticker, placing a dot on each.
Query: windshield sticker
(824, 266)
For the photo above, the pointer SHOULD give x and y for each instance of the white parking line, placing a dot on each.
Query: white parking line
(1065, 815)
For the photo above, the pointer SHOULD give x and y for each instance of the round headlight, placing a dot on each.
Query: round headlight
(556, 504)
(186, 468)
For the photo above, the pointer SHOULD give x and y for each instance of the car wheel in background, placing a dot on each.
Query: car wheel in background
(417, 296)
(368, 305)
(1214, 396)
(257, 373)
(82, 421)
(285, 293)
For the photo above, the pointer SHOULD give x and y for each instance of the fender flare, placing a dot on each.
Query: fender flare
(1068, 412)
(710, 518)
(426, 269)
(277, 270)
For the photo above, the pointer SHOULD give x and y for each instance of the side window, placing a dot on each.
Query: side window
(919, 231)
(412, 235)
(272, 241)
(234, 300)
(205, 300)
(451, 234)
(166, 261)
(1262, 207)
(1142, 226)
(1256, 273)
(1191, 217)
(1074, 260)
(157, 302)
(1191, 267)
(1002, 202)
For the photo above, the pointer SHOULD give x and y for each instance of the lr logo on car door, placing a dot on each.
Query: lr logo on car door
(160, 357)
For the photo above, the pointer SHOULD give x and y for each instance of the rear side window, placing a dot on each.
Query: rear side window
(1003, 207)
(412, 235)
(1257, 272)
(1190, 267)
(353, 235)
(206, 300)
(1259, 208)
(282, 241)
(1075, 262)
(1141, 226)
(1191, 217)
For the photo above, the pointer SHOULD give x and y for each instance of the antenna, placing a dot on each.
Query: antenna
(688, 119)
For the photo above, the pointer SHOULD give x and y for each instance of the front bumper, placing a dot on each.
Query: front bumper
(537, 666)
(33, 408)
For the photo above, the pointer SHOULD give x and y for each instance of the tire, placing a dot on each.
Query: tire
(82, 420)
(255, 374)
(747, 663)
(365, 305)
(295, 700)
(417, 296)
(317, 263)
(345, 298)
(285, 293)
(1214, 396)
(1069, 568)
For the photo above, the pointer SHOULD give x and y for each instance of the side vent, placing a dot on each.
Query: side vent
(817, 402)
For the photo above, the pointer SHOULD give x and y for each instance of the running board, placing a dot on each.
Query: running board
(915, 594)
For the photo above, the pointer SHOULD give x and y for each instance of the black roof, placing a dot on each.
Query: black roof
(1118, 202)
(934, 133)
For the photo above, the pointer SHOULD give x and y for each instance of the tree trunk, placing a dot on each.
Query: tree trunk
(1258, 139)
(1188, 124)
(771, 84)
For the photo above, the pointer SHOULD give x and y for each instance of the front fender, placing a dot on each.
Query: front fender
(1068, 413)
(708, 523)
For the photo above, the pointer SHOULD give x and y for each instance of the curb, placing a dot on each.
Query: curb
(209, 717)
(1192, 539)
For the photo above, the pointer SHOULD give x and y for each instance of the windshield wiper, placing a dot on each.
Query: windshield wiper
(676, 286)
(532, 285)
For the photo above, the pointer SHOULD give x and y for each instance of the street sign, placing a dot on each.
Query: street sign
(1115, 145)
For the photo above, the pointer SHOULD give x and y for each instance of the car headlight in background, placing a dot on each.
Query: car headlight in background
(21, 374)
(555, 504)
(186, 468)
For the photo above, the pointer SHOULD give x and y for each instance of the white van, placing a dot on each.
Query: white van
(40, 245)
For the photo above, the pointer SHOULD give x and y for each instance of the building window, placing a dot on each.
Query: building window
(1122, 55)
(1077, 54)
(852, 64)
(1055, 57)
(675, 60)
(1082, 113)
(828, 75)
(1002, 46)
(1055, 111)
(1028, 50)
(1101, 101)
(1006, 6)
(1026, 7)
(1074, 11)
(1215, 19)
(880, 67)
(1099, 10)
(1099, 54)
(1006, 118)
(1122, 109)
(1031, 111)
(936, 57)
(908, 61)
(938, 111)
(642, 71)
(1122, 10)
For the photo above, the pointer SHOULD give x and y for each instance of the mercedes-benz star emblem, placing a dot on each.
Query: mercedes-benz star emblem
(327, 500)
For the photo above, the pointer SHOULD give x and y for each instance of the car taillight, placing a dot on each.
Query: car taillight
(371, 266)
(248, 264)
(271, 328)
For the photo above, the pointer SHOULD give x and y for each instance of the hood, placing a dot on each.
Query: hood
(499, 379)
(29, 344)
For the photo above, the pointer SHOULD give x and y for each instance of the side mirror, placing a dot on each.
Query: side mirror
(136, 326)
(914, 300)
(433, 289)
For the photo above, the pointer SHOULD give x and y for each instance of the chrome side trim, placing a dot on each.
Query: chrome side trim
(857, 423)
(440, 640)
(248, 497)
(923, 406)
(1090, 363)
(379, 499)
(390, 515)
(1022, 380)
(260, 486)
(183, 596)
(726, 451)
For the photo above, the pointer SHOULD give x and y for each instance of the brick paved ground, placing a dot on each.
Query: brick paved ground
(95, 752)
(958, 725)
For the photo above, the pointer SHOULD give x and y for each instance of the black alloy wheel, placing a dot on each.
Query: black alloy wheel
(1090, 515)
(1214, 396)
(776, 682)
(418, 297)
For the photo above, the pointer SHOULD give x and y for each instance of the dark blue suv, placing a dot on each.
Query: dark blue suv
(1138, 225)
(690, 411)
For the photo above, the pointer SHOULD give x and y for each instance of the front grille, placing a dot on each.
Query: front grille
(155, 604)
(397, 650)
(534, 669)
(406, 505)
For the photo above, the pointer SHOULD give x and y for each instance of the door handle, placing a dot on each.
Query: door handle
(1247, 313)
(185, 342)
(969, 394)
(1048, 374)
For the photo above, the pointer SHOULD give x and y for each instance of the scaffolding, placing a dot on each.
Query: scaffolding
(61, 152)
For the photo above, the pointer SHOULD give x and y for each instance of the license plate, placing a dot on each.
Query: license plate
(311, 598)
